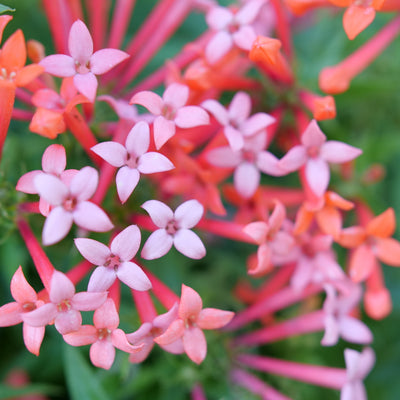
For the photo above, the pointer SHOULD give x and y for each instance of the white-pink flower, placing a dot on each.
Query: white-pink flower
(315, 153)
(82, 63)
(114, 261)
(70, 204)
(171, 111)
(236, 120)
(132, 159)
(64, 306)
(174, 230)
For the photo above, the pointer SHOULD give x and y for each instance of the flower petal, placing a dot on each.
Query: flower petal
(101, 279)
(189, 244)
(102, 354)
(114, 153)
(152, 101)
(212, 318)
(57, 225)
(164, 129)
(54, 159)
(313, 136)
(354, 331)
(52, 189)
(246, 179)
(256, 123)
(85, 301)
(138, 140)
(176, 95)
(126, 244)
(153, 162)
(317, 174)
(41, 316)
(224, 157)
(86, 334)
(217, 110)
(26, 183)
(10, 314)
(157, 245)
(338, 152)
(106, 316)
(219, 18)
(84, 183)
(234, 137)
(104, 60)
(133, 276)
(190, 304)
(59, 65)
(159, 212)
(80, 43)
(387, 250)
(293, 159)
(126, 181)
(94, 251)
(188, 214)
(218, 46)
(21, 290)
(33, 337)
(191, 116)
(195, 345)
(240, 108)
(68, 321)
(61, 288)
(91, 217)
(87, 85)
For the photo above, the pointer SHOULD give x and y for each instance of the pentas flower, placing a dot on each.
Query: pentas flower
(192, 319)
(132, 159)
(148, 331)
(83, 64)
(174, 230)
(358, 366)
(70, 204)
(26, 300)
(233, 28)
(248, 162)
(104, 336)
(64, 306)
(170, 111)
(315, 154)
(236, 120)
(114, 261)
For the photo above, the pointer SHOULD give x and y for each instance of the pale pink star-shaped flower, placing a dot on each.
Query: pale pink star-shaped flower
(132, 159)
(104, 336)
(82, 63)
(233, 28)
(70, 204)
(171, 111)
(192, 318)
(358, 367)
(236, 120)
(26, 300)
(315, 154)
(174, 230)
(64, 306)
(114, 261)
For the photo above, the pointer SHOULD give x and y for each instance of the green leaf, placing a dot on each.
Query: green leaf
(81, 381)
(4, 9)
(8, 392)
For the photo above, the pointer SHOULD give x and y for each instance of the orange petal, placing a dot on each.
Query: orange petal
(382, 225)
(27, 74)
(356, 19)
(212, 318)
(47, 123)
(304, 218)
(378, 304)
(351, 237)
(388, 251)
(362, 262)
(13, 52)
(341, 3)
(299, 7)
(324, 108)
(263, 262)
(4, 20)
(333, 199)
(330, 221)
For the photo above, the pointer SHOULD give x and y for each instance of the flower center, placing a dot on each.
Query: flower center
(82, 69)
(103, 333)
(29, 307)
(313, 151)
(171, 227)
(64, 306)
(190, 321)
(131, 161)
(69, 203)
(248, 155)
(156, 331)
(168, 111)
(113, 261)
(4, 75)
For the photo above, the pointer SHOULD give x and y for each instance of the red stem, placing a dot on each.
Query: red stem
(144, 305)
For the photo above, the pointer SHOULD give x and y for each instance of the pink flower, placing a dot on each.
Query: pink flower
(236, 121)
(171, 111)
(114, 261)
(133, 159)
(64, 305)
(315, 153)
(150, 330)
(233, 29)
(26, 300)
(192, 319)
(83, 64)
(70, 204)
(358, 367)
(174, 230)
(103, 336)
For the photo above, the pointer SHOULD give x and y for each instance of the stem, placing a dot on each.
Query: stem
(144, 305)
(120, 21)
(77, 273)
(98, 12)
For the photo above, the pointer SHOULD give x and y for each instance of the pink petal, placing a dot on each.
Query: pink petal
(248, 13)
(174, 347)
(54, 159)
(142, 334)
(80, 43)
(133, 276)
(176, 95)
(190, 304)
(47, 98)
(153, 162)
(33, 337)
(217, 110)
(313, 136)
(163, 131)
(219, 18)
(59, 65)
(212, 318)
(173, 333)
(91, 217)
(104, 60)
(87, 85)
(102, 354)
(106, 316)
(57, 225)
(10, 314)
(141, 355)
(157, 245)
(317, 174)
(152, 101)
(126, 181)
(84, 183)
(85, 301)
(120, 341)
(94, 251)
(218, 46)
(162, 321)
(240, 108)
(61, 288)
(85, 335)
(126, 244)
(26, 183)
(189, 244)
(269, 164)
(256, 123)
(191, 116)
(354, 331)
(41, 316)
(257, 230)
(101, 279)
(188, 214)
(224, 157)
(51, 189)
(234, 137)
(331, 335)
(195, 345)
(114, 153)
(68, 321)
(293, 159)
(159, 212)
(21, 290)
(138, 140)
(246, 179)
(244, 37)
(338, 152)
